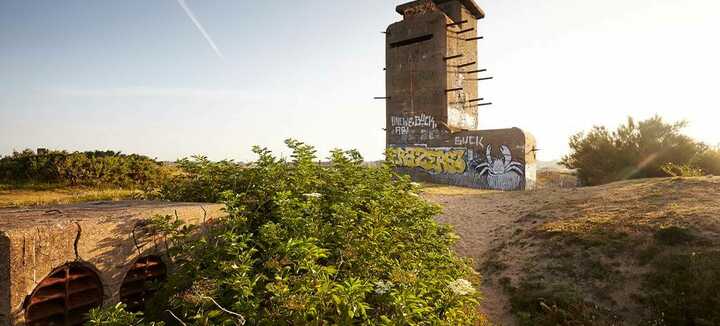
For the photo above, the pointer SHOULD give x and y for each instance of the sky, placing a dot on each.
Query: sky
(174, 78)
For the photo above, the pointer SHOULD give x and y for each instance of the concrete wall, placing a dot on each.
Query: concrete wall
(488, 159)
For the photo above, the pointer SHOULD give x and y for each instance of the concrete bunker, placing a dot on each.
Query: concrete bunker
(58, 262)
(433, 74)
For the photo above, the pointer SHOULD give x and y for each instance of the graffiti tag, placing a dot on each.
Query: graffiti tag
(434, 160)
(469, 140)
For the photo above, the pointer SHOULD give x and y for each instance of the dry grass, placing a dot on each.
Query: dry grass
(436, 189)
(586, 249)
(42, 195)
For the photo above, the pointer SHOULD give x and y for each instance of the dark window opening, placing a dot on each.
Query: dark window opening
(411, 41)
(137, 287)
(65, 297)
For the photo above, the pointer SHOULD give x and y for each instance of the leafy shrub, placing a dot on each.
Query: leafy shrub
(685, 170)
(117, 316)
(305, 243)
(708, 161)
(634, 150)
(684, 289)
(202, 180)
(98, 168)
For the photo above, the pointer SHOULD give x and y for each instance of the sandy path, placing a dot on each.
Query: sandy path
(484, 219)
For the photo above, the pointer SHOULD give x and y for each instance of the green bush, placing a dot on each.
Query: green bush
(634, 150)
(117, 316)
(202, 180)
(708, 161)
(305, 243)
(98, 168)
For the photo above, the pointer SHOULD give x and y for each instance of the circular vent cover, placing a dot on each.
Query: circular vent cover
(65, 297)
(135, 290)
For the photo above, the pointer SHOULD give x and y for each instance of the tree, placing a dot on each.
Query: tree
(634, 150)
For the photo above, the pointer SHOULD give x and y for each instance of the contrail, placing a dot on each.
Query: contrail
(200, 27)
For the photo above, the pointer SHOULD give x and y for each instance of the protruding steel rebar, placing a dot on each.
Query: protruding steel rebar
(382, 98)
(475, 71)
(467, 64)
(453, 90)
(476, 100)
(475, 38)
(453, 57)
(465, 30)
(485, 104)
(486, 78)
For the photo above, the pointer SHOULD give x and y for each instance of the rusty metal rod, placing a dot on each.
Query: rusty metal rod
(453, 57)
(486, 78)
(453, 90)
(458, 23)
(484, 104)
(476, 100)
(467, 64)
(465, 31)
(475, 38)
(475, 71)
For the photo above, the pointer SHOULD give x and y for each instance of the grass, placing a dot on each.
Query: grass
(45, 194)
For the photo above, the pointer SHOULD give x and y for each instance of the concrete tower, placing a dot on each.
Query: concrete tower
(432, 102)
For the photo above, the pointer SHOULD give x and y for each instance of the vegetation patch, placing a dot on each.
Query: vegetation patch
(304, 243)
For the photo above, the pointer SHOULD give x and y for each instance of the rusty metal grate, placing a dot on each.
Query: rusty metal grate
(135, 290)
(65, 297)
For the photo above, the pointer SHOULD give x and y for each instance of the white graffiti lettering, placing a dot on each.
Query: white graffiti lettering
(469, 140)
(422, 120)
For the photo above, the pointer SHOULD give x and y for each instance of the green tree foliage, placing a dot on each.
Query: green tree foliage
(305, 243)
(637, 150)
(202, 180)
(98, 168)
(117, 316)
(708, 161)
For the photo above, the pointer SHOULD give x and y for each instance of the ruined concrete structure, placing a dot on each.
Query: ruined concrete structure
(56, 263)
(433, 100)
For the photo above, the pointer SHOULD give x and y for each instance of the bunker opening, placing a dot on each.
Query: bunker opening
(139, 283)
(65, 297)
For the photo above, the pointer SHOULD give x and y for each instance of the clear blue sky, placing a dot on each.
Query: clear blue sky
(139, 76)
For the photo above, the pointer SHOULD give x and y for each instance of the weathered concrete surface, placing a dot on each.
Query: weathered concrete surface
(35, 241)
(432, 106)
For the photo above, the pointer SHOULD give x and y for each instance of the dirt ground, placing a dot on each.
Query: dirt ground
(503, 227)
(483, 218)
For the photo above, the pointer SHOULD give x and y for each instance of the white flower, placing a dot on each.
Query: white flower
(461, 287)
(383, 287)
(415, 184)
(313, 195)
(413, 194)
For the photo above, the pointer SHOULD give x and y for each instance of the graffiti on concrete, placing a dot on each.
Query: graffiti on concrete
(432, 160)
(402, 125)
(502, 171)
(469, 140)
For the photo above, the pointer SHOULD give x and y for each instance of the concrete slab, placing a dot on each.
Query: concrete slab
(107, 237)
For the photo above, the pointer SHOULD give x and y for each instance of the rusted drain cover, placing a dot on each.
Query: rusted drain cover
(135, 289)
(65, 297)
